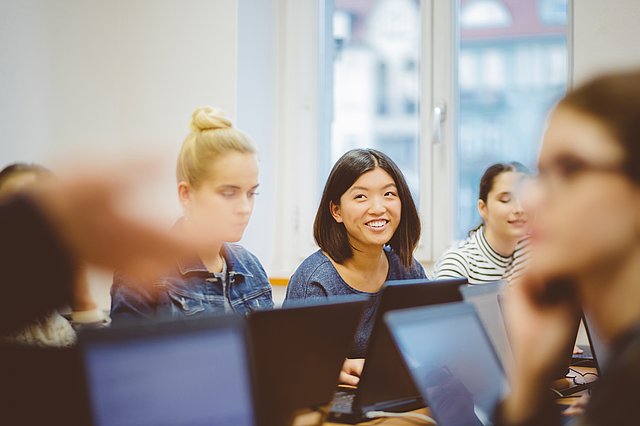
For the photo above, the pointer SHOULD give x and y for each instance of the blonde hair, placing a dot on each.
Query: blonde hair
(212, 136)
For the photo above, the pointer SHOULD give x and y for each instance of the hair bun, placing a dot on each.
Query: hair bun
(209, 118)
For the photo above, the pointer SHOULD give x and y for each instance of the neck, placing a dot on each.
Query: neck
(366, 270)
(610, 294)
(504, 247)
(212, 259)
(367, 258)
(209, 253)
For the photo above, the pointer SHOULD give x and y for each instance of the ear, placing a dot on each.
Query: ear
(482, 209)
(335, 211)
(184, 194)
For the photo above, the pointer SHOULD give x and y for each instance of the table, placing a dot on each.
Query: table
(590, 374)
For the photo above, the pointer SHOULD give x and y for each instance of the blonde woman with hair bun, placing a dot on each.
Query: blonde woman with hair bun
(217, 180)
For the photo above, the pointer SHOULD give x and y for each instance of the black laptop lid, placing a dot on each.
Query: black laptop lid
(385, 380)
(452, 362)
(190, 372)
(599, 349)
(298, 352)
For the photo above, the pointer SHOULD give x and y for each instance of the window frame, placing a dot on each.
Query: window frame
(303, 77)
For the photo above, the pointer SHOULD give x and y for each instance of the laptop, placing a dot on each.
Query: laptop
(189, 372)
(594, 354)
(297, 353)
(385, 383)
(486, 299)
(452, 361)
(489, 302)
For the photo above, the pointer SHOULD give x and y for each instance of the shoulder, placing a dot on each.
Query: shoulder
(398, 271)
(455, 261)
(241, 258)
(316, 267)
(461, 251)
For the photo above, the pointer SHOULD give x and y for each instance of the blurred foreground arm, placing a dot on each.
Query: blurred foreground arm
(540, 315)
(44, 234)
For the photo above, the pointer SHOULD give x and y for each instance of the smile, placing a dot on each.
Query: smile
(377, 224)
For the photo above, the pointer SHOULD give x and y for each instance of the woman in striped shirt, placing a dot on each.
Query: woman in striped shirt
(498, 248)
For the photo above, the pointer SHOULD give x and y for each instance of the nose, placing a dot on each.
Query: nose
(377, 206)
(517, 206)
(534, 196)
(245, 206)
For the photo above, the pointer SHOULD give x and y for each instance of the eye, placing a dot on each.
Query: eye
(230, 193)
(505, 200)
(390, 194)
(252, 194)
(359, 197)
(569, 166)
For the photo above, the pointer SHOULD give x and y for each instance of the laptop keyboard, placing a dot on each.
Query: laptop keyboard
(586, 353)
(342, 401)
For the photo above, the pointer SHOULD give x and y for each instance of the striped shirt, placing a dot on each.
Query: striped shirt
(476, 260)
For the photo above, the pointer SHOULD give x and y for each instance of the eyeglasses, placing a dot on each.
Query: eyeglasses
(567, 169)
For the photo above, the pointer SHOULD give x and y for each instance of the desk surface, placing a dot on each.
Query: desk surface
(313, 419)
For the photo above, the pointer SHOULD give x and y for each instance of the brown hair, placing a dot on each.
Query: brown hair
(614, 100)
(12, 171)
(332, 236)
(489, 177)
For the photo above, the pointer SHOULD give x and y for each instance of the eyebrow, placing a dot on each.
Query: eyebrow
(235, 187)
(362, 188)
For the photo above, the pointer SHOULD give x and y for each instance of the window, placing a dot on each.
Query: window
(522, 70)
(444, 87)
(374, 98)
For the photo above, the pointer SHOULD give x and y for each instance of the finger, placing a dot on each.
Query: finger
(573, 411)
(348, 379)
(357, 366)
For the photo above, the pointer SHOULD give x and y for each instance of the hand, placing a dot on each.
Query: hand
(82, 300)
(86, 213)
(351, 371)
(577, 408)
(539, 333)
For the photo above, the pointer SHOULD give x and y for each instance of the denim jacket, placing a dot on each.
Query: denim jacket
(191, 289)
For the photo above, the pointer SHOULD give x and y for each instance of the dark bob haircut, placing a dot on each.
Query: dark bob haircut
(332, 236)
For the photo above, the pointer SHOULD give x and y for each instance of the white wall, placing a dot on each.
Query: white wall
(58, 78)
(257, 115)
(606, 35)
(110, 76)
(85, 78)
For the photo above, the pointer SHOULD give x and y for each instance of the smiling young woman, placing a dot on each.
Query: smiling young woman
(367, 227)
(498, 248)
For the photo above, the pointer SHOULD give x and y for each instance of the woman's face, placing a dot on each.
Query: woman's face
(587, 211)
(502, 213)
(219, 210)
(370, 209)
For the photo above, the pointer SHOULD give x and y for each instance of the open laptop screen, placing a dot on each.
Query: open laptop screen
(452, 362)
(485, 299)
(191, 378)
